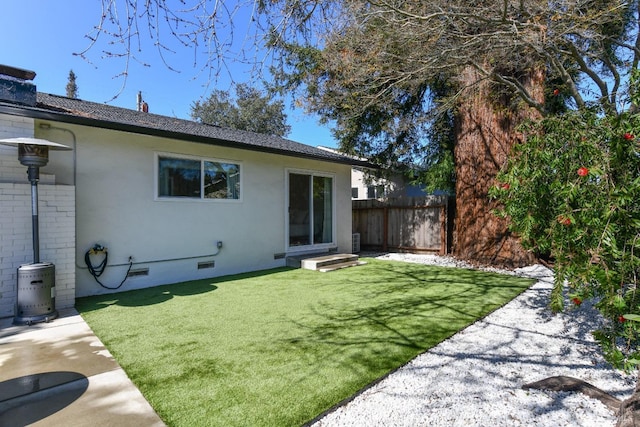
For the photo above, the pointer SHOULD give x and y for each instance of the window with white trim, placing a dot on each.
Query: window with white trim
(193, 178)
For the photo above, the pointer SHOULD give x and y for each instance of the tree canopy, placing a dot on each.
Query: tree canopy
(352, 56)
(375, 72)
(249, 110)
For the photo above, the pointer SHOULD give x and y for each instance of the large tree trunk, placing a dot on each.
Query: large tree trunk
(485, 132)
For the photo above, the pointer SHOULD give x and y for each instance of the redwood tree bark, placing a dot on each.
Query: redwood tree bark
(485, 131)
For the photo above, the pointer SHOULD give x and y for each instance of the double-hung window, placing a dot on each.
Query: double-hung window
(194, 178)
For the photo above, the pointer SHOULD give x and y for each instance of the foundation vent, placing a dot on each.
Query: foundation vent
(206, 264)
(138, 272)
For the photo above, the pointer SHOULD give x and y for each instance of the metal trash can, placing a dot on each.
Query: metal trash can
(36, 293)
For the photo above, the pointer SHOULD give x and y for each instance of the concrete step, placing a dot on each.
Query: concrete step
(295, 261)
(316, 263)
(334, 267)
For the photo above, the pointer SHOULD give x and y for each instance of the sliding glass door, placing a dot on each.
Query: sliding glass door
(311, 206)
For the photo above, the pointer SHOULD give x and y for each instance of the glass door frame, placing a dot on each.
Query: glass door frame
(312, 246)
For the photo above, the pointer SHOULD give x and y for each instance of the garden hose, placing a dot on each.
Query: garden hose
(96, 271)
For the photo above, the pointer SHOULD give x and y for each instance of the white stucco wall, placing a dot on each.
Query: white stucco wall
(362, 182)
(393, 187)
(116, 207)
(56, 219)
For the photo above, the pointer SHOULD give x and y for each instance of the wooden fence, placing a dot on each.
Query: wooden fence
(412, 224)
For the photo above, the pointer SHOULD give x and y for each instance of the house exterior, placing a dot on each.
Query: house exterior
(171, 200)
(365, 185)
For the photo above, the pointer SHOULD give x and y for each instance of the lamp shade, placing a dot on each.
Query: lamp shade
(33, 151)
(34, 141)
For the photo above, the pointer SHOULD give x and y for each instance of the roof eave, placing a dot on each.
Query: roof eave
(42, 114)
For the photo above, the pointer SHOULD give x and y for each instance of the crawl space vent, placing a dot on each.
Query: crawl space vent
(206, 264)
(138, 272)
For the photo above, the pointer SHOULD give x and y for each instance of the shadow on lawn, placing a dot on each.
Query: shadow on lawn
(502, 342)
(162, 293)
(406, 309)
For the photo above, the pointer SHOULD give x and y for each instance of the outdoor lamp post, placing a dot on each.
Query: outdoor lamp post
(35, 300)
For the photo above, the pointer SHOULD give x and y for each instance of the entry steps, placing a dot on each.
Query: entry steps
(331, 262)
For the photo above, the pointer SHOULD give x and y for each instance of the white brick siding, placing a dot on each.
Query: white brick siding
(57, 238)
(13, 127)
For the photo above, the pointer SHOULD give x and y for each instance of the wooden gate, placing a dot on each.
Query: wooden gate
(412, 224)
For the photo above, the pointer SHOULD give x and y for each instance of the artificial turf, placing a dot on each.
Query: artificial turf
(279, 347)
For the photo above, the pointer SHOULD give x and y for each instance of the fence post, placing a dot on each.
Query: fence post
(443, 230)
(385, 228)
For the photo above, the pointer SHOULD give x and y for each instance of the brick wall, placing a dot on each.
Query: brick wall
(13, 127)
(57, 239)
(56, 218)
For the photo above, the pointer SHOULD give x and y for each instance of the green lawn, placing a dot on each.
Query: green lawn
(279, 347)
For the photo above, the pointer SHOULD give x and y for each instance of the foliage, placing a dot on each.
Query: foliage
(250, 111)
(386, 72)
(72, 87)
(278, 347)
(572, 192)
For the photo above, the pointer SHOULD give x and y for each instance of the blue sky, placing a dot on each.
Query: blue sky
(43, 35)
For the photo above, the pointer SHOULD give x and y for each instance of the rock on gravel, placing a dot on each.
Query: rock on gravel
(475, 377)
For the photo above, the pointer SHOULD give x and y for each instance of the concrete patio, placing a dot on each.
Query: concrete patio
(60, 374)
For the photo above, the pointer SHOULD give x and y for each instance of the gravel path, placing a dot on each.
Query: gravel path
(475, 377)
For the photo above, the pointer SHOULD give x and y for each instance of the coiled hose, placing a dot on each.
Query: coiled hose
(96, 271)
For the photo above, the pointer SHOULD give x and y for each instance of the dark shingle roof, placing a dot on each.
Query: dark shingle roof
(60, 108)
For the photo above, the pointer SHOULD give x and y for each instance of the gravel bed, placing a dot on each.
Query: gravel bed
(475, 377)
